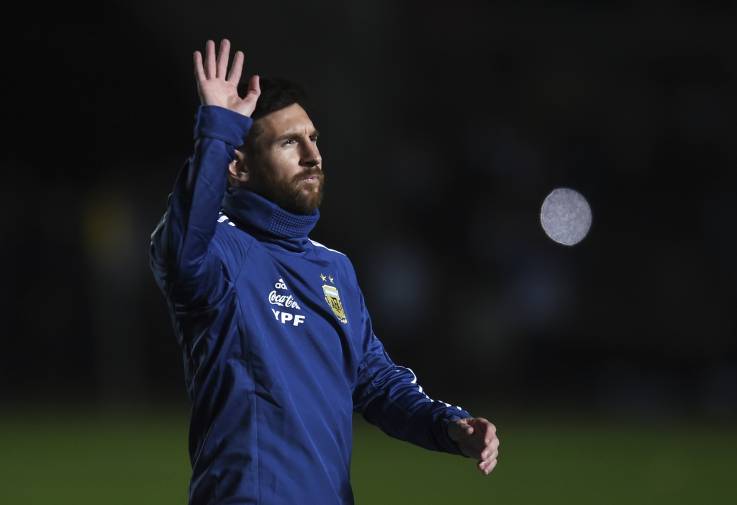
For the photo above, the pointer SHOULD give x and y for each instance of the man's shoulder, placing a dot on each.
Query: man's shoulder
(227, 229)
(231, 242)
(323, 247)
(333, 255)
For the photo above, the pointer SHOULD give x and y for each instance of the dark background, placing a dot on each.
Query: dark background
(442, 129)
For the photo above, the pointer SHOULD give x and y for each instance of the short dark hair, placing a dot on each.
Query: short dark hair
(276, 94)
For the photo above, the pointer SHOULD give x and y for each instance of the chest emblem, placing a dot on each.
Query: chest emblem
(333, 298)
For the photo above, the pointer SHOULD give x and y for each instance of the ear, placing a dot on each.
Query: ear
(238, 169)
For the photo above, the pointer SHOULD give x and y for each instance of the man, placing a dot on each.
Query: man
(277, 342)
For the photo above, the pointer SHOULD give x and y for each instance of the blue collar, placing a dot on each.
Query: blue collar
(266, 220)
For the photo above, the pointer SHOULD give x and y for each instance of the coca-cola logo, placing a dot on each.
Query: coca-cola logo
(287, 301)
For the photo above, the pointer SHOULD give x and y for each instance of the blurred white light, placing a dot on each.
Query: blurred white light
(565, 216)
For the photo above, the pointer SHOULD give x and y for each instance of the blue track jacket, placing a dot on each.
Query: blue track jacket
(277, 343)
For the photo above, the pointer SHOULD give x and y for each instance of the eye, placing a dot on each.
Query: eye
(289, 142)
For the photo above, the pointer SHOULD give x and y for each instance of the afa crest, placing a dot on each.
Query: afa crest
(333, 298)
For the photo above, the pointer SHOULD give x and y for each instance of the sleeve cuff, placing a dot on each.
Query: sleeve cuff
(219, 123)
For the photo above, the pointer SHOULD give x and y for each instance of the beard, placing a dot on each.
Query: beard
(296, 195)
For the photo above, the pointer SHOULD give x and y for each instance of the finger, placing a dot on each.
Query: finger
(488, 468)
(482, 422)
(199, 72)
(480, 449)
(223, 58)
(254, 89)
(210, 68)
(237, 68)
(489, 454)
(490, 439)
(254, 86)
(458, 430)
(488, 431)
(251, 99)
(488, 449)
(466, 426)
(490, 446)
(484, 463)
(486, 452)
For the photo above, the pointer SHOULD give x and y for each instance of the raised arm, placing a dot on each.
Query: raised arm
(182, 259)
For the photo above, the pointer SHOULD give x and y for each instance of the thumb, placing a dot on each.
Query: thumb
(459, 428)
(248, 103)
(254, 86)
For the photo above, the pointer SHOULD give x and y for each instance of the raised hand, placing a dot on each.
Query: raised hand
(476, 437)
(215, 88)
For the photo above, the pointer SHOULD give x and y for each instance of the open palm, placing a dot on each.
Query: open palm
(215, 88)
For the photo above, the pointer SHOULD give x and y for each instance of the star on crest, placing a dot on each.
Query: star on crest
(331, 278)
(322, 276)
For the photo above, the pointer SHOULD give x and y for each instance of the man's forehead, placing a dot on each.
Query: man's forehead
(291, 119)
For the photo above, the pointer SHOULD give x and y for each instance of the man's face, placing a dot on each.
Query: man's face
(285, 165)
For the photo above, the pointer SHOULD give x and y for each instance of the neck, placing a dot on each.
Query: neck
(266, 220)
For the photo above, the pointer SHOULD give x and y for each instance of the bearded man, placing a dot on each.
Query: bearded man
(277, 342)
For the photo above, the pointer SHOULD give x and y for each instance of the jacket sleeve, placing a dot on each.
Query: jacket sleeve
(181, 253)
(389, 397)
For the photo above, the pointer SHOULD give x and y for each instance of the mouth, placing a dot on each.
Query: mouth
(311, 179)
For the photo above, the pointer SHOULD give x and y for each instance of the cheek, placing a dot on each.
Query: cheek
(284, 164)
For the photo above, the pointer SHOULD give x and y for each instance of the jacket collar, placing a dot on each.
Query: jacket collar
(266, 220)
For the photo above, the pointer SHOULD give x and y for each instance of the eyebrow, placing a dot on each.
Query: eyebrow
(315, 133)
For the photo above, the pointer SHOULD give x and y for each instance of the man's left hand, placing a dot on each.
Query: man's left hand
(476, 438)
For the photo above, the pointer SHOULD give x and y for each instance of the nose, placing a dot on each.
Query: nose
(311, 156)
